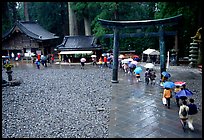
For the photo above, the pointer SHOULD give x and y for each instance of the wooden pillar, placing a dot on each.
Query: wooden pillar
(176, 48)
(115, 56)
(162, 50)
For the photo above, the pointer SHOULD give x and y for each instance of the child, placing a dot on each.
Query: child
(37, 63)
(176, 90)
(152, 77)
(147, 76)
(125, 67)
(100, 62)
(138, 77)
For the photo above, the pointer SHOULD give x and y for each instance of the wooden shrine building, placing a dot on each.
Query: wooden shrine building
(74, 47)
(28, 36)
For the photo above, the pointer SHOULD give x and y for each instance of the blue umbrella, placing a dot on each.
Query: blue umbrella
(168, 84)
(184, 92)
(166, 74)
(130, 65)
(138, 70)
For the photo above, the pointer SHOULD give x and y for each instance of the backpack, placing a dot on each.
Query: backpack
(184, 112)
(193, 109)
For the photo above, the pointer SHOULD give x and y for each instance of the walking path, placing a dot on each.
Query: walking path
(137, 110)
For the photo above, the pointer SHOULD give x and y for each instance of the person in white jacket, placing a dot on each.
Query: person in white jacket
(183, 118)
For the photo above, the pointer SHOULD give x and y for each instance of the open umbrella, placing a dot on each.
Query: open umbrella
(138, 70)
(83, 60)
(185, 93)
(134, 62)
(121, 56)
(179, 83)
(136, 59)
(130, 65)
(125, 61)
(136, 56)
(129, 59)
(93, 55)
(149, 65)
(166, 74)
(168, 84)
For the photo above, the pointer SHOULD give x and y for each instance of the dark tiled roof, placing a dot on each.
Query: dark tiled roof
(79, 43)
(33, 30)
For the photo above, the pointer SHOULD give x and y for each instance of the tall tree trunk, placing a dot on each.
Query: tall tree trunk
(72, 21)
(62, 19)
(87, 26)
(26, 11)
(116, 11)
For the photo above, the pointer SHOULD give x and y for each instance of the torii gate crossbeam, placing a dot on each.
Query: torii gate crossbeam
(116, 25)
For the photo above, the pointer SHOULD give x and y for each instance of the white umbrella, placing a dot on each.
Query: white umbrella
(121, 56)
(125, 61)
(149, 65)
(93, 55)
(134, 62)
(129, 59)
(83, 60)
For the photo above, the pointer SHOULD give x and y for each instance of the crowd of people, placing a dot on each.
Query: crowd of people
(186, 106)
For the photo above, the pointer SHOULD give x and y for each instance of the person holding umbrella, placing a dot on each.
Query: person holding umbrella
(165, 77)
(167, 93)
(82, 60)
(137, 71)
(178, 88)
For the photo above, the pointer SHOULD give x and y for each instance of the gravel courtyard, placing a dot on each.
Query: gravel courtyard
(57, 102)
(63, 101)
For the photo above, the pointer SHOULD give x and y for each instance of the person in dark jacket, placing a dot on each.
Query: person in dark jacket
(192, 111)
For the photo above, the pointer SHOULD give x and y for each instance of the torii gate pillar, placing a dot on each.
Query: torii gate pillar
(115, 56)
(162, 50)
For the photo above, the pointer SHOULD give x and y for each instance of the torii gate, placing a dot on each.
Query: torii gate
(117, 25)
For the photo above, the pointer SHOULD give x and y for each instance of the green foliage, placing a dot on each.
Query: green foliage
(53, 16)
(8, 67)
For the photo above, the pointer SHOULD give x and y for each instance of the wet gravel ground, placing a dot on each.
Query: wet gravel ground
(57, 102)
(68, 102)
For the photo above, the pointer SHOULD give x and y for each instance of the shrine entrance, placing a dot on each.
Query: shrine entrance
(119, 25)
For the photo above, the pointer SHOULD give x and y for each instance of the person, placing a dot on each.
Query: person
(167, 95)
(94, 61)
(192, 111)
(183, 118)
(147, 76)
(176, 90)
(183, 87)
(105, 61)
(100, 62)
(152, 77)
(52, 58)
(125, 67)
(131, 68)
(13, 56)
(138, 77)
(82, 60)
(19, 56)
(37, 63)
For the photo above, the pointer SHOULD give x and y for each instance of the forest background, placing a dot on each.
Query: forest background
(80, 18)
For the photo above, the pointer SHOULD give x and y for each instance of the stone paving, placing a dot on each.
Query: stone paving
(63, 101)
(137, 110)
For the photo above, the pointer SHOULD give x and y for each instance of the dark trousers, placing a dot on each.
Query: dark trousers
(177, 102)
(168, 102)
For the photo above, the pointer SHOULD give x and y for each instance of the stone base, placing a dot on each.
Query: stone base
(114, 81)
(14, 83)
